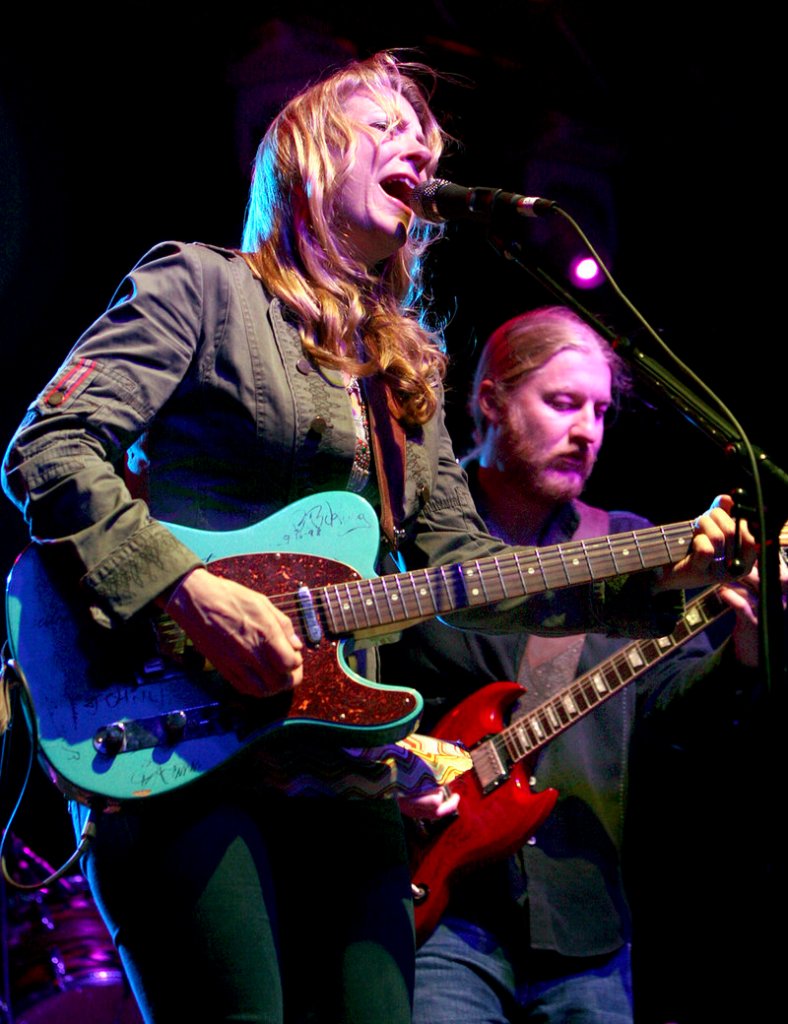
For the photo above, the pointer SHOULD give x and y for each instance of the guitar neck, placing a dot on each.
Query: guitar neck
(411, 597)
(531, 731)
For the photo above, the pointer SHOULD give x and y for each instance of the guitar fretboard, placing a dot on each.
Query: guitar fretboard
(529, 732)
(422, 594)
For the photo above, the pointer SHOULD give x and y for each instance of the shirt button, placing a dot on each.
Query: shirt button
(423, 494)
(57, 398)
(531, 840)
(318, 425)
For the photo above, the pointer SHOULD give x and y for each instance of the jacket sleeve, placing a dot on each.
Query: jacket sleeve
(448, 528)
(64, 466)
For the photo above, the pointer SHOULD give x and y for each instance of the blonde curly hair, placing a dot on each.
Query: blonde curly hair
(361, 320)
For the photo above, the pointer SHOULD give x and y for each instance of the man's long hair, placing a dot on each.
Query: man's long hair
(525, 343)
(360, 320)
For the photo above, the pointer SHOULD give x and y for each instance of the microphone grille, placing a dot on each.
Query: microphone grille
(422, 200)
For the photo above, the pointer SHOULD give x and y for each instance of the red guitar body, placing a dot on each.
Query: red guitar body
(487, 826)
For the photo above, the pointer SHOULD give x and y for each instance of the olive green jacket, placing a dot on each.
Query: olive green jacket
(193, 391)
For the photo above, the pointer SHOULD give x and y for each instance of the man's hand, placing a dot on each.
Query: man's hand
(743, 597)
(429, 806)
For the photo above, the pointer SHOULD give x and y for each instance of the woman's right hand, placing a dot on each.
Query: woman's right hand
(243, 635)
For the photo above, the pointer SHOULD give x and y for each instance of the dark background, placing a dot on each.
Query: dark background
(654, 126)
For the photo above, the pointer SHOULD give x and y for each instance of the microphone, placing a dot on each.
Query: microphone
(438, 200)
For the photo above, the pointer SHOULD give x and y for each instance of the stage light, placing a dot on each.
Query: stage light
(585, 272)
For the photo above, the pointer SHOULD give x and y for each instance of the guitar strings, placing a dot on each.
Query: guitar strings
(367, 602)
(527, 733)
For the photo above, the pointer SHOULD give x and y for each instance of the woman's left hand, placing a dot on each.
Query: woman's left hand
(712, 550)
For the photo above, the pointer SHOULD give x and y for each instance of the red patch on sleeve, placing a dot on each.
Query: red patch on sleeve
(65, 386)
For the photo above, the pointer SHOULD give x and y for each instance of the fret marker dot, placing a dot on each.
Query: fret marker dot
(531, 570)
(394, 597)
(626, 551)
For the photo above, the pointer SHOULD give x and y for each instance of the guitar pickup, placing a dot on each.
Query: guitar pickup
(490, 769)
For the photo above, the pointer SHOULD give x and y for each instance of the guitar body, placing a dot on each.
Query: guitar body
(487, 826)
(119, 714)
(92, 687)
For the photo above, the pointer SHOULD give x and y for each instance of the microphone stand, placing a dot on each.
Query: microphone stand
(770, 515)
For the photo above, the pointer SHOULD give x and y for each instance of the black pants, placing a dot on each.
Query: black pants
(268, 910)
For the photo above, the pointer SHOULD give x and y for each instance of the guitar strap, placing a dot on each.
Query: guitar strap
(549, 663)
(388, 452)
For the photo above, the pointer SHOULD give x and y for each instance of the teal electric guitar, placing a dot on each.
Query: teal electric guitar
(123, 714)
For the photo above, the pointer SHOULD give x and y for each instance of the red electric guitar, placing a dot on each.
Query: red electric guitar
(498, 811)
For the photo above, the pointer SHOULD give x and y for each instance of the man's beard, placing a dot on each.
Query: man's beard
(549, 484)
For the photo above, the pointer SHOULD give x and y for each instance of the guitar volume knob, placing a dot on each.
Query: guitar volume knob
(110, 739)
(174, 725)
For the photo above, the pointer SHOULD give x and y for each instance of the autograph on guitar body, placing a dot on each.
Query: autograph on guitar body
(117, 715)
(498, 811)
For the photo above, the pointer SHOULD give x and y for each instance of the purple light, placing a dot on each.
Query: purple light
(585, 272)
